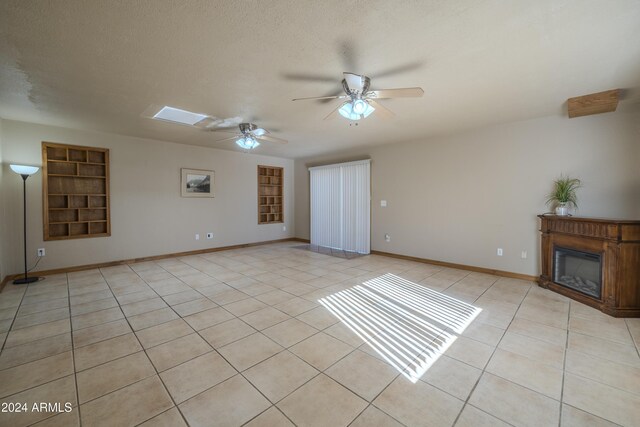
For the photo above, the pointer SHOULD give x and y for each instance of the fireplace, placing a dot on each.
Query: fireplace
(594, 261)
(578, 270)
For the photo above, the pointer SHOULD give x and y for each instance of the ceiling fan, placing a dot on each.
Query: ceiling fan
(249, 136)
(359, 102)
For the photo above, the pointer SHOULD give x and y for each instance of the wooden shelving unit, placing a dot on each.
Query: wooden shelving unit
(75, 191)
(270, 194)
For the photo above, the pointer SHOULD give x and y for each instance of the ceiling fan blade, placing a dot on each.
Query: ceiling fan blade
(260, 132)
(354, 81)
(225, 130)
(380, 110)
(411, 66)
(405, 92)
(348, 52)
(271, 139)
(334, 113)
(230, 122)
(228, 139)
(320, 97)
(308, 77)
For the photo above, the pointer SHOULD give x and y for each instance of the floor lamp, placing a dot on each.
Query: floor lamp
(25, 172)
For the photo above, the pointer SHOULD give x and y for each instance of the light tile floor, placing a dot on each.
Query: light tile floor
(239, 338)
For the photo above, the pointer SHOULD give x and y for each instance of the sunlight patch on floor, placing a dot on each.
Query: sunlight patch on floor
(407, 324)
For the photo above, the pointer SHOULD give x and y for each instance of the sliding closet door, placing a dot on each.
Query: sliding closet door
(341, 206)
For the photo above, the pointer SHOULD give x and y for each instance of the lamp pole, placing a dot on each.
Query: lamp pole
(24, 222)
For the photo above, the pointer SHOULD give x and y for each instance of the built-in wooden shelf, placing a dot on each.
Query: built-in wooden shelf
(270, 194)
(75, 191)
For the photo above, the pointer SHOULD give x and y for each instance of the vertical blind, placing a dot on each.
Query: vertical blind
(341, 206)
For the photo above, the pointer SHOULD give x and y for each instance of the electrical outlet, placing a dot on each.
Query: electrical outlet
(209, 235)
(523, 254)
(387, 238)
(499, 251)
(197, 237)
(284, 228)
(383, 203)
(41, 252)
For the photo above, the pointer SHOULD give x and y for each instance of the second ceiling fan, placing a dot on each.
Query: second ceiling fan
(359, 101)
(249, 136)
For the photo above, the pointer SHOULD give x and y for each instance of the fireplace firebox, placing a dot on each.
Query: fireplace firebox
(578, 270)
(594, 261)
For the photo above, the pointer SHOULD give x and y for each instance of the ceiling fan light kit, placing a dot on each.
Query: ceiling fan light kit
(250, 136)
(361, 101)
(247, 143)
(356, 110)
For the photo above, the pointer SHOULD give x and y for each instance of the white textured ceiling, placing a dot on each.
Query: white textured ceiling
(97, 64)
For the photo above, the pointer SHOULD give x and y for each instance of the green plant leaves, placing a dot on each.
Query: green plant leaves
(564, 191)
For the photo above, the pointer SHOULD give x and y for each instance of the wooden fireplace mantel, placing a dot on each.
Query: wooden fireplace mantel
(618, 244)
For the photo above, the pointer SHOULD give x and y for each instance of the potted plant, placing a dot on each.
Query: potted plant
(564, 194)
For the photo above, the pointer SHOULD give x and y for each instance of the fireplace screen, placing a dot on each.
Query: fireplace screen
(578, 270)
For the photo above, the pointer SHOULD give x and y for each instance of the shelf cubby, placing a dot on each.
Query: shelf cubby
(75, 191)
(270, 194)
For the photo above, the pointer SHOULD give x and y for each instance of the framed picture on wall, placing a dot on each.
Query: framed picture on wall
(197, 183)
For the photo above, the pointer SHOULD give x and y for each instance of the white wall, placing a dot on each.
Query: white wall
(148, 216)
(458, 198)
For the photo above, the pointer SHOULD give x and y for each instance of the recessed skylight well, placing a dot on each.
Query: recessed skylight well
(177, 115)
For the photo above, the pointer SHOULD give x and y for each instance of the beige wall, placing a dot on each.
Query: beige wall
(459, 198)
(3, 242)
(148, 216)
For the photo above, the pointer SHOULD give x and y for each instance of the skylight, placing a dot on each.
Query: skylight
(177, 115)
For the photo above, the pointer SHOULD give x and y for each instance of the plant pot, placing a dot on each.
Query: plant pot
(562, 209)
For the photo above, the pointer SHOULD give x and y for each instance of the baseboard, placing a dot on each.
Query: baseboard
(501, 273)
(298, 239)
(459, 266)
(4, 282)
(143, 259)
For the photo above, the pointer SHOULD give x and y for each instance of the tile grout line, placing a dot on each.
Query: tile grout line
(564, 363)
(370, 403)
(73, 353)
(6, 338)
(147, 356)
(564, 372)
(395, 378)
(466, 402)
(587, 378)
(283, 350)
(98, 310)
(47, 382)
(295, 317)
(222, 356)
(636, 344)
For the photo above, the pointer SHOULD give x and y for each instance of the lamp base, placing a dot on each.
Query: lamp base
(25, 280)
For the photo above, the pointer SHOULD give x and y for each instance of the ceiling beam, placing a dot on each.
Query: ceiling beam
(595, 103)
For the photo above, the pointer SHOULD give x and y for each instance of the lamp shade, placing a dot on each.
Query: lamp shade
(359, 106)
(356, 110)
(24, 170)
(247, 143)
